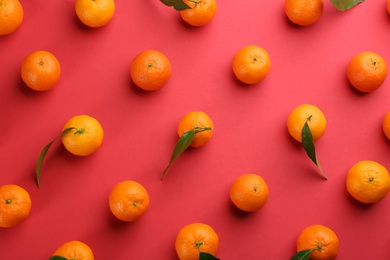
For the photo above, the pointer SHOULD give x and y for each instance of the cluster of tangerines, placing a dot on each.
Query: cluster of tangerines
(82, 135)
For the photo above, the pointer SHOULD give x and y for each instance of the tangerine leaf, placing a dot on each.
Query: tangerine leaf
(179, 5)
(207, 256)
(308, 145)
(302, 255)
(344, 5)
(43, 154)
(181, 145)
(56, 257)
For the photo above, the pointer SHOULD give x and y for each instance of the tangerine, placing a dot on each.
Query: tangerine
(201, 123)
(304, 12)
(388, 6)
(40, 70)
(84, 137)
(15, 205)
(368, 181)
(95, 13)
(150, 70)
(11, 16)
(128, 200)
(195, 238)
(322, 240)
(76, 250)
(306, 113)
(249, 192)
(367, 71)
(386, 125)
(251, 64)
(200, 13)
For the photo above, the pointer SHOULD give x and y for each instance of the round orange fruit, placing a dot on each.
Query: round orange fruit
(304, 12)
(84, 137)
(386, 125)
(76, 250)
(40, 70)
(200, 13)
(322, 240)
(368, 181)
(11, 16)
(367, 71)
(128, 200)
(251, 64)
(388, 6)
(249, 192)
(150, 70)
(95, 13)
(195, 238)
(306, 113)
(15, 205)
(201, 123)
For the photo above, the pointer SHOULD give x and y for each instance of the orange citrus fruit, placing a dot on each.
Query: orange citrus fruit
(201, 123)
(304, 12)
(249, 192)
(321, 239)
(386, 125)
(95, 13)
(76, 250)
(128, 200)
(251, 64)
(388, 6)
(150, 70)
(85, 136)
(15, 205)
(306, 113)
(368, 181)
(195, 238)
(201, 12)
(367, 71)
(40, 70)
(11, 16)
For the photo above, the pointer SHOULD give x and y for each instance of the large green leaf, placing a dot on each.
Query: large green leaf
(207, 256)
(56, 257)
(302, 255)
(43, 154)
(181, 145)
(343, 5)
(308, 145)
(179, 5)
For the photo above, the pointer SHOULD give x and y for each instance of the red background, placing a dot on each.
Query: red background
(308, 66)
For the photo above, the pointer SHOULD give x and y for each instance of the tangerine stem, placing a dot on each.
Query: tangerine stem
(199, 129)
(198, 244)
(79, 131)
(196, 2)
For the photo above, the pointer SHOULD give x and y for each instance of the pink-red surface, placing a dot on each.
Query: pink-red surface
(308, 66)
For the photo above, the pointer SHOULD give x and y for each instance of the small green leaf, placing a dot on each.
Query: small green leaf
(56, 257)
(207, 256)
(302, 255)
(43, 154)
(308, 144)
(181, 145)
(344, 5)
(179, 5)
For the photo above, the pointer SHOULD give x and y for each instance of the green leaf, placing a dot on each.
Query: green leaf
(343, 5)
(179, 5)
(43, 154)
(302, 255)
(308, 144)
(181, 145)
(56, 257)
(207, 256)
